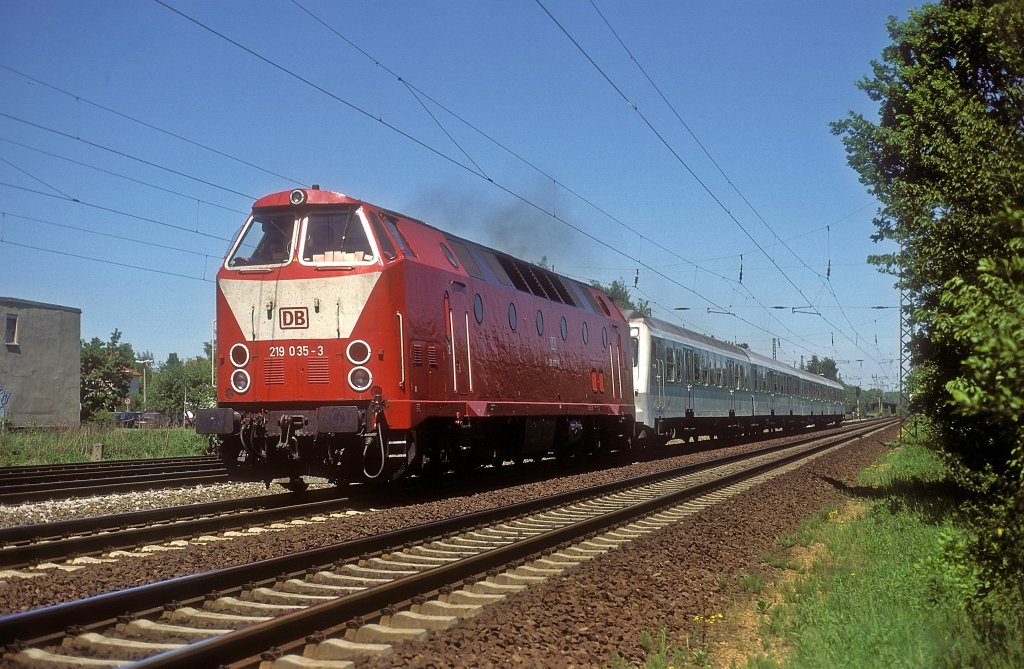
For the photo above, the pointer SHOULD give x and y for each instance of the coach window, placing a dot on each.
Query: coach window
(513, 319)
(635, 347)
(586, 333)
(540, 322)
(670, 365)
(565, 329)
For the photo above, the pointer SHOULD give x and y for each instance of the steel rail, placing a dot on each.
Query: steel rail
(47, 624)
(166, 524)
(16, 494)
(75, 475)
(287, 628)
(20, 470)
(99, 533)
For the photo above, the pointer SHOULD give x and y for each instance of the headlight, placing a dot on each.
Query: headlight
(360, 379)
(240, 381)
(297, 197)
(358, 352)
(239, 355)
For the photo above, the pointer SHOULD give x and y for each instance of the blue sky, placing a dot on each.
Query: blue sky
(128, 218)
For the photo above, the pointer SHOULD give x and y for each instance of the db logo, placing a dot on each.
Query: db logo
(294, 318)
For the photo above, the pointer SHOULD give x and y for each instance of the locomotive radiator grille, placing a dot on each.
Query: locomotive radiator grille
(273, 371)
(318, 370)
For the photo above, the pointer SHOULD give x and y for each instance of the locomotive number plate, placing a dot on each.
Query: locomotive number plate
(295, 351)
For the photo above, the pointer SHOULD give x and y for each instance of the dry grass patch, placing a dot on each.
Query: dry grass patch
(741, 633)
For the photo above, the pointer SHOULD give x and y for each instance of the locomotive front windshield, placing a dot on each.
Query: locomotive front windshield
(266, 241)
(336, 237)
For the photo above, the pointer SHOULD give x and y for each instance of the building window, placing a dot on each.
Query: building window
(11, 330)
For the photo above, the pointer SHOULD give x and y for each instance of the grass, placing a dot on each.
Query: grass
(887, 586)
(37, 446)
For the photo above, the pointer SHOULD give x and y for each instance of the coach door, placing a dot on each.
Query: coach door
(457, 332)
(658, 364)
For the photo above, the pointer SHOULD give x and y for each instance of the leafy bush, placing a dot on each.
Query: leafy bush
(946, 161)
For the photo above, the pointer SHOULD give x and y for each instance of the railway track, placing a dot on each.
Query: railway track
(345, 601)
(47, 482)
(83, 537)
(24, 545)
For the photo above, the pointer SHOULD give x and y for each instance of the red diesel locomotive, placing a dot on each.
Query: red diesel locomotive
(359, 344)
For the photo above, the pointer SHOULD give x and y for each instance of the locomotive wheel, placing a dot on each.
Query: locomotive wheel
(228, 452)
(296, 484)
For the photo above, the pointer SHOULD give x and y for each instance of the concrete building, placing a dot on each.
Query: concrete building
(40, 363)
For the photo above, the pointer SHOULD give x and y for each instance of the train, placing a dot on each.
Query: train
(360, 345)
(690, 385)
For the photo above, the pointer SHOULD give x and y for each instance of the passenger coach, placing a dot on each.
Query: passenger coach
(688, 385)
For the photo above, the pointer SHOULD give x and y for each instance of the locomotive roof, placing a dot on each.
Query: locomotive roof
(536, 280)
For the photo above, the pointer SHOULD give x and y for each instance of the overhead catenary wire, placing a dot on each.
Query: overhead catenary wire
(420, 95)
(133, 119)
(116, 211)
(539, 208)
(35, 178)
(468, 168)
(828, 274)
(661, 138)
(124, 154)
(121, 176)
(110, 235)
(105, 261)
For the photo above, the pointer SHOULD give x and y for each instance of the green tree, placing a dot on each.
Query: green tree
(182, 387)
(619, 292)
(824, 367)
(946, 161)
(106, 375)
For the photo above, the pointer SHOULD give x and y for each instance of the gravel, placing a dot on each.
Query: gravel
(599, 609)
(668, 580)
(52, 511)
